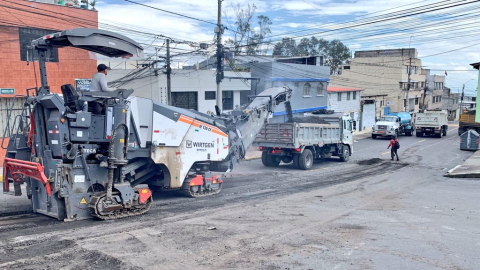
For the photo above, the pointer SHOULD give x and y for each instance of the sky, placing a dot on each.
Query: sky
(446, 36)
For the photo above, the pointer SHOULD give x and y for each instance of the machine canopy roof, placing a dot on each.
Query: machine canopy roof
(99, 41)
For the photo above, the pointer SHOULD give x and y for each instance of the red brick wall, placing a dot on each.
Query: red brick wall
(73, 63)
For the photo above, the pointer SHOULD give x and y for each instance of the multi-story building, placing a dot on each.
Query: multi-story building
(384, 75)
(23, 21)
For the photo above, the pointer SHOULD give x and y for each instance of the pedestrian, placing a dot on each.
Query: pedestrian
(395, 145)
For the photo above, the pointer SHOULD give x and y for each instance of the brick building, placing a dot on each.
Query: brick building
(21, 22)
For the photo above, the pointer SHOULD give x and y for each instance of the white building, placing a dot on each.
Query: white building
(191, 89)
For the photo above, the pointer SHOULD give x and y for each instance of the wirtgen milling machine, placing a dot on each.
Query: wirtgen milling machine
(77, 164)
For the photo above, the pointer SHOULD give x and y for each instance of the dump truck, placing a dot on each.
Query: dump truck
(302, 143)
(431, 123)
(78, 163)
(467, 122)
(393, 125)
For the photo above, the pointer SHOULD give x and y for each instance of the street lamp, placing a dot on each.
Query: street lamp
(463, 91)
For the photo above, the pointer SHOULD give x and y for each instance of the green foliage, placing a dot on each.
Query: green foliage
(335, 52)
(248, 38)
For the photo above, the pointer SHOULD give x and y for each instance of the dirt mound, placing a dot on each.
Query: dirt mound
(371, 161)
(310, 119)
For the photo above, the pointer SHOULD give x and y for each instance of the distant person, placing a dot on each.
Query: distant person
(395, 144)
(99, 84)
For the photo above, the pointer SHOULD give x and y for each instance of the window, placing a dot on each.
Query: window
(401, 85)
(416, 101)
(348, 95)
(354, 95)
(210, 95)
(26, 36)
(422, 85)
(320, 89)
(416, 70)
(186, 100)
(339, 96)
(306, 89)
(227, 97)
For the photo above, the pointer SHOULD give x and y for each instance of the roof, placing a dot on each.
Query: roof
(475, 65)
(341, 89)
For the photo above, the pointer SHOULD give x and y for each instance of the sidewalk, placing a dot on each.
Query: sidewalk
(469, 169)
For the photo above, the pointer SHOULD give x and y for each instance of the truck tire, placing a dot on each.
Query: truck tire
(274, 161)
(439, 135)
(419, 134)
(408, 133)
(346, 154)
(265, 159)
(287, 159)
(305, 160)
(445, 128)
(295, 161)
(461, 131)
(374, 136)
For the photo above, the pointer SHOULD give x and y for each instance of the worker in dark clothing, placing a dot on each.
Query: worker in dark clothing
(394, 144)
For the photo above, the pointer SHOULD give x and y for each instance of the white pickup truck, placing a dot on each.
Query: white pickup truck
(431, 123)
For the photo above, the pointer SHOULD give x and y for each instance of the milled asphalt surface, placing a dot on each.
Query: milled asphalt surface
(368, 213)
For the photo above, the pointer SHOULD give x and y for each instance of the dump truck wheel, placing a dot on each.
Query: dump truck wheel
(295, 161)
(346, 154)
(287, 159)
(265, 159)
(374, 136)
(273, 161)
(419, 134)
(305, 160)
(445, 131)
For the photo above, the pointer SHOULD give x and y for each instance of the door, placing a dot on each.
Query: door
(347, 130)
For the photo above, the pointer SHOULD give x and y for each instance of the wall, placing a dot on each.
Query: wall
(379, 73)
(346, 106)
(14, 73)
(73, 63)
(155, 87)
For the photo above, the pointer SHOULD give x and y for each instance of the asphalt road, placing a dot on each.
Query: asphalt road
(368, 213)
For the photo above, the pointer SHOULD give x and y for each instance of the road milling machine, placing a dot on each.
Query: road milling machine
(77, 164)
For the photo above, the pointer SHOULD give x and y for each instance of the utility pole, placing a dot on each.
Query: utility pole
(219, 77)
(407, 103)
(169, 72)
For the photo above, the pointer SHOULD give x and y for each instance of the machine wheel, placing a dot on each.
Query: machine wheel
(374, 136)
(295, 161)
(445, 128)
(305, 160)
(265, 159)
(408, 133)
(346, 154)
(287, 159)
(273, 161)
(461, 131)
(439, 135)
(419, 134)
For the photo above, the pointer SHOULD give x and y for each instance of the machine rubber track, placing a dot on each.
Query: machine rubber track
(199, 191)
(117, 214)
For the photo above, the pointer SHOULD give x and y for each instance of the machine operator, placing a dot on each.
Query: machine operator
(99, 84)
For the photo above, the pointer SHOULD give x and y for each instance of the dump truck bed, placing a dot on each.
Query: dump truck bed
(295, 135)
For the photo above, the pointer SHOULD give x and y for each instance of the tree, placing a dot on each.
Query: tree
(335, 52)
(247, 38)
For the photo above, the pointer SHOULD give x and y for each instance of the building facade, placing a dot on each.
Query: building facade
(384, 75)
(23, 21)
(191, 89)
